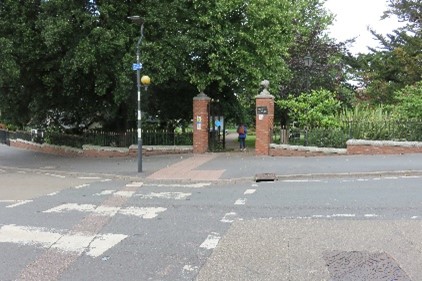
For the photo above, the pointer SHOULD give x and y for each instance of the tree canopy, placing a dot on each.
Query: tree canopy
(398, 62)
(67, 63)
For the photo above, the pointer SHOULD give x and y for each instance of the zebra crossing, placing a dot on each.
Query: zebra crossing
(83, 241)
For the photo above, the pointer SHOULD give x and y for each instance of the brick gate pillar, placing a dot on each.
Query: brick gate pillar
(264, 120)
(200, 123)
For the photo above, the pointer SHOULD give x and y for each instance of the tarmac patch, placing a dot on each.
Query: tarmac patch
(363, 265)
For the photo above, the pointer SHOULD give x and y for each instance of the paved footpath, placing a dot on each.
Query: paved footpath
(215, 166)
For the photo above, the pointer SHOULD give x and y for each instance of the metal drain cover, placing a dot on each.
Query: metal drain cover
(265, 177)
(361, 265)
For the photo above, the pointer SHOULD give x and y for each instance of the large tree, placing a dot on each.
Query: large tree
(398, 62)
(69, 61)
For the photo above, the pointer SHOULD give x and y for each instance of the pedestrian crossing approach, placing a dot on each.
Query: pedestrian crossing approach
(83, 239)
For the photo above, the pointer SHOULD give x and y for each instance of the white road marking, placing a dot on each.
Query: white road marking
(254, 185)
(82, 186)
(145, 213)
(211, 242)
(343, 215)
(370, 215)
(121, 193)
(134, 184)
(190, 268)
(93, 245)
(55, 175)
(192, 185)
(2, 171)
(226, 218)
(318, 216)
(391, 178)
(19, 203)
(414, 217)
(104, 242)
(165, 195)
(105, 192)
(105, 180)
(240, 201)
(53, 193)
(249, 191)
(84, 208)
(124, 193)
(300, 181)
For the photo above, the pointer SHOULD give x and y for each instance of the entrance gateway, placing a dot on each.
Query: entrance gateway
(209, 126)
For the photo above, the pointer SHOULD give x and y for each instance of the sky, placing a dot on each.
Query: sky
(353, 18)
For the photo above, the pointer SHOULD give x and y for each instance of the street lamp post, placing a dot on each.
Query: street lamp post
(138, 20)
(307, 60)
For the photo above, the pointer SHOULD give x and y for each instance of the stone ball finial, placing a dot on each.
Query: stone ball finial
(265, 84)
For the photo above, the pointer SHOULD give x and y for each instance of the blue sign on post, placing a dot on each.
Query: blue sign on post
(136, 66)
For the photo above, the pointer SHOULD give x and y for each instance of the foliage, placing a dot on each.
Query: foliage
(398, 62)
(67, 63)
(316, 109)
(70, 62)
(409, 102)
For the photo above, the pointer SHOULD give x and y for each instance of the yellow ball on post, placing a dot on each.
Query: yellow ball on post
(145, 80)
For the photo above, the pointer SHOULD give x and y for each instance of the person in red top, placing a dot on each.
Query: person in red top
(242, 131)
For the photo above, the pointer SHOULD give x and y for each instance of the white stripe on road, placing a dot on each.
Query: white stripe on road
(53, 193)
(165, 195)
(249, 191)
(240, 201)
(227, 219)
(19, 203)
(105, 180)
(82, 186)
(145, 213)
(105, 192)
(344, 215)
(55, 175)
(211, 242)
(135, 184)
(300, 181)
(122, 193)
(190, 268)
(370, 215)
(92, 245)
(192, 185)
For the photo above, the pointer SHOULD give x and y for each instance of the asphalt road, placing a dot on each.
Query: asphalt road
(79, 224)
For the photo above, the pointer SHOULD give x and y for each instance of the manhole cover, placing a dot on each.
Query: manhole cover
(361, 265)
(265, 177)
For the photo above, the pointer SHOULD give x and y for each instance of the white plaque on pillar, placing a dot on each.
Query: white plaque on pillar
(260, 116)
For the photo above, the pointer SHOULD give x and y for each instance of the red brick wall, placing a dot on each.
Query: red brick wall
(373, 149)
(264, 126)
(200, 123)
